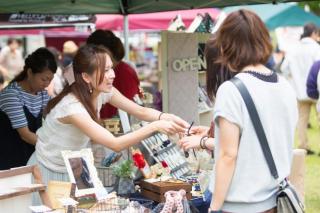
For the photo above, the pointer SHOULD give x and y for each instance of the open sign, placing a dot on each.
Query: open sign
(188, 64)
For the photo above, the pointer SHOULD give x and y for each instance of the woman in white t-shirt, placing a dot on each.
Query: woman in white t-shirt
(72, 116)
(242, 181)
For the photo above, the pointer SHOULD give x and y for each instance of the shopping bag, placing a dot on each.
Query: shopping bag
(288, 200)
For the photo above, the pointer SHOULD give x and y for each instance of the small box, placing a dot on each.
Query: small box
(155, 191)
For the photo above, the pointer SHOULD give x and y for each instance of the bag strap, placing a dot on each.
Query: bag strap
(257, 125)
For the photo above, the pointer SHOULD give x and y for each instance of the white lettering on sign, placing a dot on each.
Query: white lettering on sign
(188, 64)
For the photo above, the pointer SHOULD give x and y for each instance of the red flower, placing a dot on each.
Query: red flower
(164, 164)
(138, 160)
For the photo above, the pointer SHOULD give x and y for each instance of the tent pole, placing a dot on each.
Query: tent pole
(126, 36)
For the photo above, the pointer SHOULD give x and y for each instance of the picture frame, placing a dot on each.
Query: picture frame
(82, 172)
(124, 120)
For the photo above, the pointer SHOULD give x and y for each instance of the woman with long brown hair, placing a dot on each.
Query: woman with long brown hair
(242, 181)
(72, 116)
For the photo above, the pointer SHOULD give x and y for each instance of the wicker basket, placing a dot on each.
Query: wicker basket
(106, 176)
(116, 205)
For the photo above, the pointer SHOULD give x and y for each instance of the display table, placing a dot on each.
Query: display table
(198, 202)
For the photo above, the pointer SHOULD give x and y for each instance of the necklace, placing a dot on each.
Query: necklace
(268, 77)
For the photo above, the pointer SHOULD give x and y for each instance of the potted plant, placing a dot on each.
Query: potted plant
(124, 184)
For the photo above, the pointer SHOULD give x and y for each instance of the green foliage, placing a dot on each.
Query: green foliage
(124, 169)
(312, 183)
(314, 6)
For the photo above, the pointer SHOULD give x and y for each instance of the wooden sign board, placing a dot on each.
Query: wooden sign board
(182, 57)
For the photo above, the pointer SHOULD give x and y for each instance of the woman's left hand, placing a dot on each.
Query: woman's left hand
(181, 124)
(189, 142)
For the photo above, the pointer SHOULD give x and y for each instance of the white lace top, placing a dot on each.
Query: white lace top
(54, 136)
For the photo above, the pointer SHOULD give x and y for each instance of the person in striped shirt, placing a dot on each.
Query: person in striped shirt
(21, 106)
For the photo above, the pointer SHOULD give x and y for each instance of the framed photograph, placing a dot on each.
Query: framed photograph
(82, 172)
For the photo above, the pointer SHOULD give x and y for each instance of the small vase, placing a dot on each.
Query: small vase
(124, 186)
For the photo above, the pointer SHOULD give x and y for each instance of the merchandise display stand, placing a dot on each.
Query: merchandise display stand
(162, 149)
(183, 75)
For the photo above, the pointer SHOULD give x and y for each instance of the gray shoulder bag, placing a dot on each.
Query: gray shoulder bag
(288, 200)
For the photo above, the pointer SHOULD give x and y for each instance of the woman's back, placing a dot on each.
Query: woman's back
(253, 188)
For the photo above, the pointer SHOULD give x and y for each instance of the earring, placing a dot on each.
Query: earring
(90, 88)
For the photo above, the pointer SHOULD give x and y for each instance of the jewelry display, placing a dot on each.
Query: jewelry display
(163, 150)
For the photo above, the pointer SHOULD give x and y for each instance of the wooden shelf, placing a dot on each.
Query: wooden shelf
(18, 191)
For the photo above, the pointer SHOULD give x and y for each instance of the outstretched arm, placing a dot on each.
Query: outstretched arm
(196, 141)
(144, 113)
(102, 136)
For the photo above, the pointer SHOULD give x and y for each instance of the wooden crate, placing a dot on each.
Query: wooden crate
(113, 125)
(155, 191)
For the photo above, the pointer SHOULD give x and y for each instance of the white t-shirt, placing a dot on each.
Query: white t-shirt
(12, 61)
(297, 64)
(252, 188)
(54, 136)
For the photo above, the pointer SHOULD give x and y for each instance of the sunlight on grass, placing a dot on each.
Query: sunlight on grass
(312, 178)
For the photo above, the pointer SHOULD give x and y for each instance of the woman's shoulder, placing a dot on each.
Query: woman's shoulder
(68, 105)
(69, 99)
(11, 90)
(226, 87)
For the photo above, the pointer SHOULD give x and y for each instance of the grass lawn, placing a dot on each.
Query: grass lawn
(312, 178)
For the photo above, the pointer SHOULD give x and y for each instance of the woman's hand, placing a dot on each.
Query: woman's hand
(189, 142)
(199, 130)
(166, 127)
(180, 124)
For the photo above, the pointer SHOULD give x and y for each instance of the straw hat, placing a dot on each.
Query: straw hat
(69, 47)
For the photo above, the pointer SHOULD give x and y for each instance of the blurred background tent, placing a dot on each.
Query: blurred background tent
(280, 15)
(56, 34)
(151, 21)
(146, 21)
(123, 7)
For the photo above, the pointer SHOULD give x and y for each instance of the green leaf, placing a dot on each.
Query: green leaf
(124, 169)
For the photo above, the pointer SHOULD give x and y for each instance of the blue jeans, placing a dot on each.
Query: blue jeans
(203, 204)
(207, 197)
